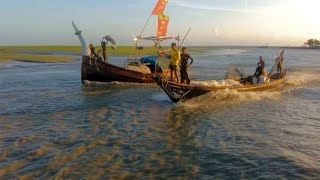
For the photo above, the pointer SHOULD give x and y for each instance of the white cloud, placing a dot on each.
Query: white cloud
(201, 6)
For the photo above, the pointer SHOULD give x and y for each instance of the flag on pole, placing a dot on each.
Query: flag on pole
(160, 7)
(163, 22)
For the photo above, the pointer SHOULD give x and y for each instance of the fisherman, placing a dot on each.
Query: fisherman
(184, 65)
(259, 72)
(99, 56)
(104, 42)
(92, 49)
(262, 62)
(104, 51)
(174, 60)
(279, 62)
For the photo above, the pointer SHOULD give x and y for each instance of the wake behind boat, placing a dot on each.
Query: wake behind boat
(182, 92)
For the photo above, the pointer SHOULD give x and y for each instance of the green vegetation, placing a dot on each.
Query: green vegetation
(31, 54)
(5, 57)
(313, 43)
(10, 49)
(42, 53)
(35, 53)
(76, 50)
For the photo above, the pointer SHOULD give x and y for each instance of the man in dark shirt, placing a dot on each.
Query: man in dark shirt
(261, 61)
(259, 72)
(184, 65)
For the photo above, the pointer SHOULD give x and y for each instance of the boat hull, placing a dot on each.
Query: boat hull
(181, 92)
(99, 71)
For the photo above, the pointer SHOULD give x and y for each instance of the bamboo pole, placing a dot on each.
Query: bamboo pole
(144, 28)
(185, 37)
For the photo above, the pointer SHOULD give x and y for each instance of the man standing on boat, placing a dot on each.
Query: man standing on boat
(184, 66)
(175, 60)
(279, 62)
(104, 51)
(105, 40)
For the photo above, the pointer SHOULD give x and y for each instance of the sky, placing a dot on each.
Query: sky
(213, 22)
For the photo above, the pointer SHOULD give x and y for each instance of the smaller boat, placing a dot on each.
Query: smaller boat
(182, 92)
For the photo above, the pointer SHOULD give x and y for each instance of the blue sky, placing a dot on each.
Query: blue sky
(213, 22)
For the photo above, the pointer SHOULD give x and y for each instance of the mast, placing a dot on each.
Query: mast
(158, 11)
(144, 28)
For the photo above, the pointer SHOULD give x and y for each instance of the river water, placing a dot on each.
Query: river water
(54, 127)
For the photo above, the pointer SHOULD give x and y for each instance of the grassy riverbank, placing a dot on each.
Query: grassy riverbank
(40, 54)
(47, 54)
(54, 54)
(6, 57)
(76, 50)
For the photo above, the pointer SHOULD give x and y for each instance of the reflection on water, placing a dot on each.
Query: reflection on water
(53, 127)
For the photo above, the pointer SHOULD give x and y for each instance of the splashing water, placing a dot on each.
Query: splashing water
(228, 97)
(214, 83)
(302, 78)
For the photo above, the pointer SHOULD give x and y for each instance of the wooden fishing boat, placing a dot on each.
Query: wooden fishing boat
(99, 71)
(182, 92)
(138, 68)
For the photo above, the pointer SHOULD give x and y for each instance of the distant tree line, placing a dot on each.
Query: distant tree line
(313, 42)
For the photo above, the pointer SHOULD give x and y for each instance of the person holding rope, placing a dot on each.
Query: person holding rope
(175, 58)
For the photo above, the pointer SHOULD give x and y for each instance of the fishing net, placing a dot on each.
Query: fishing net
(234, 73)
(139, 68)
(163, 62)
(279, 62)
(105, 40)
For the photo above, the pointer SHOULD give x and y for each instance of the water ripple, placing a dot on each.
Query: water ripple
(53, 127)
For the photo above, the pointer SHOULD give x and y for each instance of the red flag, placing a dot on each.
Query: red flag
(163, 22)
(160, 7)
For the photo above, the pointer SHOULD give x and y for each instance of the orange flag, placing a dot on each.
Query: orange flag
(163, 22)
(160, 7)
